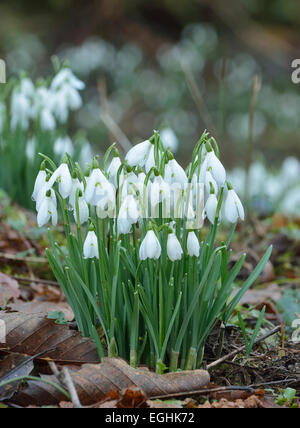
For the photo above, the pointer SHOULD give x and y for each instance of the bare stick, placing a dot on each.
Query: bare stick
(66, 381)
(71, 388)
(109, 122)
(35, 280)
(242, 348)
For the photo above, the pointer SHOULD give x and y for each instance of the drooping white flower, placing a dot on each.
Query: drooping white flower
(30, 149)
(42, 194)
(83, 210)
(99, 189)
(174, 249)
(210, 181)
(174, 173)
(150, 162)
(129, 214)
(169, 139)
(138, 154)
(66, 77)
(63, 145)
(193, 246)
(39, 182)
(159, 191)
(217, 168)
(76, 185)
(113, 169)
(47, 120)
(27, 87)
(150, 247)
(90, 246)
(211, 208)
(47, 210)
(63, 177)
(233, 208)
(20, 111)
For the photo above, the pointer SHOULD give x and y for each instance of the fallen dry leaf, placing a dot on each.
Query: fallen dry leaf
(31, 334)
(43, 308)
(93, 383)
(9, 289)
(257, 296)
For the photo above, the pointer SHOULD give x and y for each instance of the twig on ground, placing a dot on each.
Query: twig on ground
(66, 381)
(242, 348)
(35, 280)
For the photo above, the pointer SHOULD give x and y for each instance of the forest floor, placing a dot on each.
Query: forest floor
(39, 328)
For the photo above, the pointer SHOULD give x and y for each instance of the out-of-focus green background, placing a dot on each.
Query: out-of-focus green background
(184, 64)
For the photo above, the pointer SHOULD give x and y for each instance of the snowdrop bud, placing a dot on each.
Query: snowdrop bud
(39, 182)
(47, 210)
(193, 246)
(83, 210)
(138, 154)
(217, 169)
(174, 249)
(150, 247)
(90, 246)
(211, 208)
(233, 208)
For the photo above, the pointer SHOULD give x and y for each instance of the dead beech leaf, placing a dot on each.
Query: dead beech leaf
(128, 398)
(43, 308)
(13, 365)
(93, 383)
(31, 334)
(9, 289)
(257, 296)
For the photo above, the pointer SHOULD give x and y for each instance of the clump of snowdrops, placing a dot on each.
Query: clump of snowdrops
(144, 278)
(34, 118)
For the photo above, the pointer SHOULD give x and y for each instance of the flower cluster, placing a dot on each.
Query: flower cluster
(34, 118)
(148, 178)
(48, 104)
(143, 267)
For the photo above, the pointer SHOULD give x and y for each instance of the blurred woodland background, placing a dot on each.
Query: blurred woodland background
(185, 65)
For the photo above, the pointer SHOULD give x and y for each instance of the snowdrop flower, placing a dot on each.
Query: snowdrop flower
(40, 181)
(47, 210)
(193, 246)
(113, 169)
(60, 106)
(233, 208)
(66, 77)
(174, 249)
(150, 247)
(138, 154)
(86, 153)
(76, 185)
(150, 162)
(174, 173)
(20, 111)
(211, 208)
(210, 181)
(128, 215)
(83, 210)
(90, 246)
(169, 139)
(98, 188)
(30, 149)
(27, 87)
(63, 177)
(63, 145)
(42, 193)
(47, 120)
(159, 190)
(217, 169)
